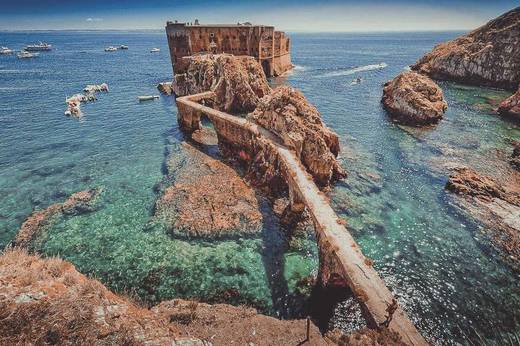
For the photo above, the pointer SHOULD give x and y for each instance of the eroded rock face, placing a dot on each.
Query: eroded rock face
(207, 199)
(238, 81)
(414, 99)
(77, 203)
(511, 106)
(488, 55)
(495, 204)
(288, 114)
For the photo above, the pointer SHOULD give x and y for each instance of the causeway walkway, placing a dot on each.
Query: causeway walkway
(340, 255)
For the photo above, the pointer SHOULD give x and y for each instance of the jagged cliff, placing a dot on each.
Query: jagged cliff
(238, 81)
(487, 56)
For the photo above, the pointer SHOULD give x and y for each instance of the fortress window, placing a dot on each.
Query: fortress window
(211, 35)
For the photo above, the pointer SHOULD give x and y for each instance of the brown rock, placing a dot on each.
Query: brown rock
(228, 325)
(511, 106)
(47, 301)
(288, 114)
(468, 182)
(208, 199)
(165, 88)
(496, 205)
(238, 81)
(77, 203)
(414, 99)
(365, 336)
(488, 55)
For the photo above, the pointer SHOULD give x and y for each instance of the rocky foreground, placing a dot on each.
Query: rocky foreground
(487, 56)
(414, 99)
(496, 204)
(47, 301)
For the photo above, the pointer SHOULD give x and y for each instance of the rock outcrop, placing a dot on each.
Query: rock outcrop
(207, 198)
(165, 88)
(511, 106)
(496, 205)
(414, 99)
(238, 81)
(487, 56)
(288, 114)
(77, 203)
(47, 301)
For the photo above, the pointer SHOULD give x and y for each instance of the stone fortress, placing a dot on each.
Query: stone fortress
(269, 47)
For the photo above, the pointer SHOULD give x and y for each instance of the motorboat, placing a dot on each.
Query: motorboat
(26, 55)
(147, 98)
(110, 49)
(123, 47)
(42, 46)
(155, 50)
(5, 50)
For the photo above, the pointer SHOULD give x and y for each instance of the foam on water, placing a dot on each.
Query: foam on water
(354, 70)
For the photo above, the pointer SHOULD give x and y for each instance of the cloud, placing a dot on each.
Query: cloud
(90, 19)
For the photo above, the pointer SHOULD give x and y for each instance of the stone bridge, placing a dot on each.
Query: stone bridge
(340, 256)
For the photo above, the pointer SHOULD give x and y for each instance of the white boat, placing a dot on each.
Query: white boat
(110, 49)
(5, 50)
(26, 55)
(42, 46)
(155, 50)
(123, 47)
(147, 98)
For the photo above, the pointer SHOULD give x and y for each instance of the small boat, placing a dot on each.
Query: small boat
(42, 46)
(5, 50)
(147, 98)
(110, 49)
(155, 50)
(123, 47)
(26, 55)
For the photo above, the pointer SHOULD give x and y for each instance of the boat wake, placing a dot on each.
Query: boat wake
(354, 70)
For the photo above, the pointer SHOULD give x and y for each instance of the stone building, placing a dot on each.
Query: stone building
(270, 47)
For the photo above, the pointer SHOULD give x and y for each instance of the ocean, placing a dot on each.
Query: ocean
(449, 279)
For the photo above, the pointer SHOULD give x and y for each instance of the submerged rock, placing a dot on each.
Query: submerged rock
(238, 81)
(495, 204)
(77, 203)
(414, 99)
(207, 199)
(486, 56)
(511, 106)
(288, 114)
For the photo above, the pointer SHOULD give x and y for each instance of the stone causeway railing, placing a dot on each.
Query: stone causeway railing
(340, 255)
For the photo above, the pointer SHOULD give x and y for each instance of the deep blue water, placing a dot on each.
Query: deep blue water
(452, 284)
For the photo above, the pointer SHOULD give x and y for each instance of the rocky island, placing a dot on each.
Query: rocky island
(414, 99)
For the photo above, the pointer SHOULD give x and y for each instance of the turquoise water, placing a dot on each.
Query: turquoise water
(453, 285)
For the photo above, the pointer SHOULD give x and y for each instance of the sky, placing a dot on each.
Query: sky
(288, 15)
